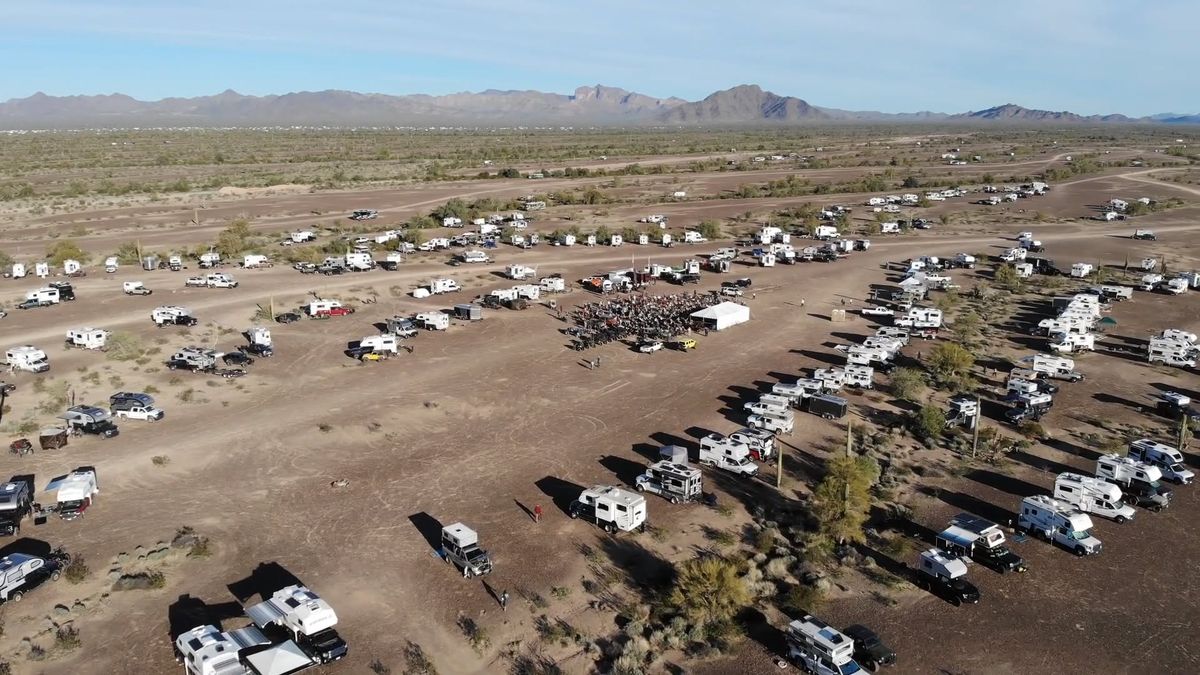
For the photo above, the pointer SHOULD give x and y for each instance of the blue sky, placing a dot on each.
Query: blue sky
(1087, 56)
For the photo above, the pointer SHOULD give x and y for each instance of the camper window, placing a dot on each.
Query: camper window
(622, 509)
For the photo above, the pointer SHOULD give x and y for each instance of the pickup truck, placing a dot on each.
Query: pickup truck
(876, 311)
(138, 412)
(196, 282)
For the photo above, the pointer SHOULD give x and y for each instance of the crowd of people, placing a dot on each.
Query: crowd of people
(638, 316)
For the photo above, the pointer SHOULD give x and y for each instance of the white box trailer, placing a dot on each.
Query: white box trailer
(44, 296)
(444, 285)
(307, 617)
(205, 650)
(87, 338)
(611, 508)
(27, 358)
(1069, 343)
(673, 481)
(433, 320)
(553, 284)
(519, 272)
(1089, 494)
(255, 261)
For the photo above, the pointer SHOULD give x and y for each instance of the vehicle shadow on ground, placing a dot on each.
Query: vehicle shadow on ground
(1165, 387)
(1072, 449)
(645, 571)
(971, 504)
(1109, 398)
(759, 629)
(561, 492)
(1009, 484)
(27, 546)
(1043, 464)
(429, 527)
(267, 578)
(626, 470)
(833, 359)
(188, 612)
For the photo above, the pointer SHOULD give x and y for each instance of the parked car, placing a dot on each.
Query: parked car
(682, 344)
(288, 317)
(236, 359)
(650, 347)
(869, 650)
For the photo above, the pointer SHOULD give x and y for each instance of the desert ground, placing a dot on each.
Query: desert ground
(485, 421)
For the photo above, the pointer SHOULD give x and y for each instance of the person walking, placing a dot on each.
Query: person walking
(504, 601)
(537, 513)
(801, 302)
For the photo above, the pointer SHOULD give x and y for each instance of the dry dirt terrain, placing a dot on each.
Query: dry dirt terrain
(489, 419)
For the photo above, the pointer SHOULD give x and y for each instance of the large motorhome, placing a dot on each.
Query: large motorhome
(611, 508)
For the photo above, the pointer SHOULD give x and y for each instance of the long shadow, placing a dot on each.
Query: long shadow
(973, 504)
(649, 451)
(1165, 387)
(887, 563)
(905, 525)
(561, 492)
(644, 569)
(1009, 484)
(823, 357)
(188, 612)
(760, 630)
(1072, 449)
(820, 316)
(663, 438)
(27, 546)
(742, 394)
(429, 527)
(753, 493)
(626, 470)
(849, 337)
(267, 578)
(1043, 464)
(1109, 398)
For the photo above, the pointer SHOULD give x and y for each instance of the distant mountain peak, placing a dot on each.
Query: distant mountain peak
(596, 104)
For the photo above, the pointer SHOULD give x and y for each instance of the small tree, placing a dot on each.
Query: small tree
(6, 260)
(709, 229)
(128, 253)
(122, 346)
(232, 240)
(1006, 278)
(929, 422)
(60, 251)
(908, 384)
(708, 591)
(603, 234)
(842, 501)
(967, 327)
(949, 361)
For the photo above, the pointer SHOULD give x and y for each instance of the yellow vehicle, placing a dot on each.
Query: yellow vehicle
(683, 344)
(374, 356)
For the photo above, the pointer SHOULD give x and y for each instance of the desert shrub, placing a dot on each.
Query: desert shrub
(77, 570)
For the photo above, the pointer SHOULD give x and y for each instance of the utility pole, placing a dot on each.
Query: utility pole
(975, 424)
(849, 453)
(1183, 432)
(779, 465)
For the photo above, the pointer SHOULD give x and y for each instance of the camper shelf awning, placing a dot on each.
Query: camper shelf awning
(723, 315)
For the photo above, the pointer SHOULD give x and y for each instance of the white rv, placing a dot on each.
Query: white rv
(255, 260)
(774, 421)
(611, 508)
(1058, 523)
(1068, 343)
(519, 272)
(460, 547)
(723, 453)
(76, 492)
(205, 650)
(1089, 494)
(27, 358)
(444, 285)
(820, 649)
(674, 481)
(1138, 480)
(308, 618)
(1167, 458)
(1058, 367)
(475, 256)
(433, 320)
(87, 338)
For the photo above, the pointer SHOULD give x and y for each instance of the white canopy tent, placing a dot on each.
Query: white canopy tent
(724, 315)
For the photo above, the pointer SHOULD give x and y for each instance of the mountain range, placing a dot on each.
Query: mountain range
(596, 105)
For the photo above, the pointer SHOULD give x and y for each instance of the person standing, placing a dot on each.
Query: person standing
(537, 513)
(504, 601)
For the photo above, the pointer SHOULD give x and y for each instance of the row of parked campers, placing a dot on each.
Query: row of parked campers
(73, 494)
(1174, 347)
(293, 630)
